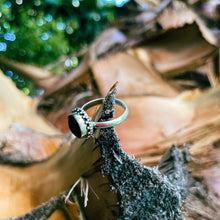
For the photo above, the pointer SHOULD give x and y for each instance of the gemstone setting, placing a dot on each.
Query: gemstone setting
(80, 124)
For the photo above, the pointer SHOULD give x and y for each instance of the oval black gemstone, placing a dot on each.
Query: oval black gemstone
(74, 126)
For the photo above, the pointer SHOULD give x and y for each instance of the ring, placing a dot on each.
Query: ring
(81, 125)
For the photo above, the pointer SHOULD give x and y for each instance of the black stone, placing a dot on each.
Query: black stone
(74, 126)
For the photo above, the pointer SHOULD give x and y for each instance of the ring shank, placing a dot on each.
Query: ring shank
(111, 123)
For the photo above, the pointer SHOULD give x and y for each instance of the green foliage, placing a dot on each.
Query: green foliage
(39, 32)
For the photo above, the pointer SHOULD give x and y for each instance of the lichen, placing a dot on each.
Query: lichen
(143, 192)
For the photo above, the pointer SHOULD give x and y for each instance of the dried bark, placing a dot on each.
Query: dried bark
(39, 76)
(128, 182)
(173, 60)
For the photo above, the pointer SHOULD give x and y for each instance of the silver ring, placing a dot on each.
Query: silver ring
(81, 125)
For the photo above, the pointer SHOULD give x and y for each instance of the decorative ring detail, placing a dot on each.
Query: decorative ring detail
(81, 125)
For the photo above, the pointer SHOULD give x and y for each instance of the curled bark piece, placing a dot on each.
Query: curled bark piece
(20, 145)
(39, 76)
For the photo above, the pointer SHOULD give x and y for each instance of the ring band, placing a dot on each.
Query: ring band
(81, 125)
